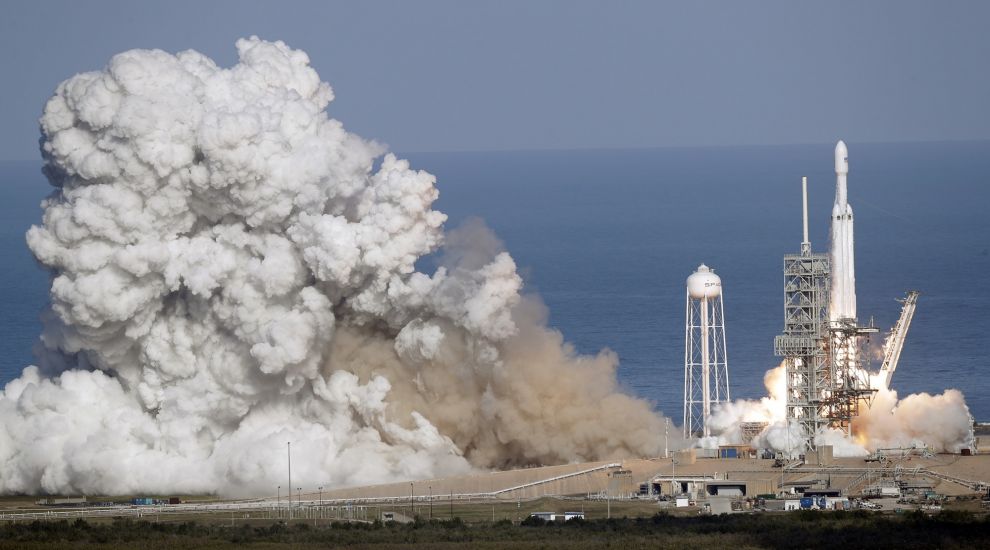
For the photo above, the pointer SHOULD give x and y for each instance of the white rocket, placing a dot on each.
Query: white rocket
(843, 292)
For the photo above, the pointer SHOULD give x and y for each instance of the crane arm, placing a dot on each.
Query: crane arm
(895, 341)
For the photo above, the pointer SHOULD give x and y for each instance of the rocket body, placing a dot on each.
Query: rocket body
(843, 293)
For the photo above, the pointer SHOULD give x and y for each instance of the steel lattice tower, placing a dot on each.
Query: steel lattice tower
(804, 342)
(706, 369)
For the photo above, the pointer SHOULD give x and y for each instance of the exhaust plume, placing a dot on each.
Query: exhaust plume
(232, 270)
(940, 422)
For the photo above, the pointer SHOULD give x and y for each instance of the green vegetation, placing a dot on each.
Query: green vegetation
(793, 530)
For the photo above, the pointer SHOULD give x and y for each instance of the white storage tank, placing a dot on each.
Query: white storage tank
(704, 283)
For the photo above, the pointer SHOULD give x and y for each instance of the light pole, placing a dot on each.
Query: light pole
(431, 503)
(298, 496)
(666, 432)
(412, 507)
(782, 466)
(288, 452)
(278, 500)
(787, 448)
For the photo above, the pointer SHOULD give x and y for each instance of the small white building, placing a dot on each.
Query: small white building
(682, 502)
(545, 516)
(792, 505)
(717, 506)
(573, 515)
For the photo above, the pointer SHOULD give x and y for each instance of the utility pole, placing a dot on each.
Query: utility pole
(321, 504)
(431, 503)
(782, 468)
(451, 504)
(412, 507)
(278, 500)
(491, 486)
(666, 433)
(787, 448)
(608, 495)
(673, 491)
(288, 451)
(787, 451)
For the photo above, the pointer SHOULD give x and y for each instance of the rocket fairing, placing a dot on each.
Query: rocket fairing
(843, 292)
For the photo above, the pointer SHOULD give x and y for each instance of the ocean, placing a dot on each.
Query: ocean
(607, 237)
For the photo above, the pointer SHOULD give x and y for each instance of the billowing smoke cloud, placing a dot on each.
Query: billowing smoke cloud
(232, 270)
(940, 422)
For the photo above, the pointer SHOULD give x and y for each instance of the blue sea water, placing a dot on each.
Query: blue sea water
(606, 238)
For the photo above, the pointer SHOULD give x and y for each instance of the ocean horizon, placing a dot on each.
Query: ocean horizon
(606, 238)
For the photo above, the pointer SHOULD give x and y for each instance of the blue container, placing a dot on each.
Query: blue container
(142, 502)
(807, 503)
(728, 453)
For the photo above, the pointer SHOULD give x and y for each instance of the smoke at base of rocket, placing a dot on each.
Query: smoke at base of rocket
(940, 422)
(231, 270)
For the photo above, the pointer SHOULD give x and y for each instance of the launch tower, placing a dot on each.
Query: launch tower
(803, 344)
(706, 371)
(823, 345)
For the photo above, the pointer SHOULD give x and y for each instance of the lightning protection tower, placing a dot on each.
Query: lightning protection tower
(706, 370)
(803, 343)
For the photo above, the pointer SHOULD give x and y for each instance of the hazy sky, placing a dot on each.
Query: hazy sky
(441, 76)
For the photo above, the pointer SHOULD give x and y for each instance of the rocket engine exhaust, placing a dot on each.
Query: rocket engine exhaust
(232, 269)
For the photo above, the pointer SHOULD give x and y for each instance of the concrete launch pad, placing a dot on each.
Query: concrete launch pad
(946, 474)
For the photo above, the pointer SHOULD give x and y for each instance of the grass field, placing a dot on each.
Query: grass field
(634, 524)
(792, 530)
(476, 512)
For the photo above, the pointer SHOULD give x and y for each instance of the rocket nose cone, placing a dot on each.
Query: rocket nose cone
(841, 158)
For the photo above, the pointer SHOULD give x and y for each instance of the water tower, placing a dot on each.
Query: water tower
(706, 370)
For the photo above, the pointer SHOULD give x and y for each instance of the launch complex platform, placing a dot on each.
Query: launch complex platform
(901, 479)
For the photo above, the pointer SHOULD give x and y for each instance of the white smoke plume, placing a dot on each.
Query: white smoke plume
(941, 423)
(232, 270)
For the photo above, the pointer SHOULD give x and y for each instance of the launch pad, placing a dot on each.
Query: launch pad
(849, 383)
(823, 345)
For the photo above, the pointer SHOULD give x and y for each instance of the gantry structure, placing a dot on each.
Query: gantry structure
(826, 361)
(804, 341)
